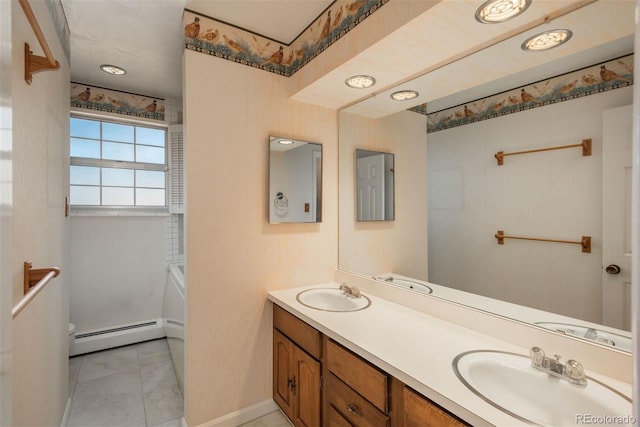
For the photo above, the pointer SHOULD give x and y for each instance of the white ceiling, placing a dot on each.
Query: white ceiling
(602, 30)
(146, 38)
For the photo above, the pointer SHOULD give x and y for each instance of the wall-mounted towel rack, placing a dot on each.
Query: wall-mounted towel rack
(584, 242)
(34, 63)
(585, 145)
(34, 281)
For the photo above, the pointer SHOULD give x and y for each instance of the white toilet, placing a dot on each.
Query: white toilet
(72, 335)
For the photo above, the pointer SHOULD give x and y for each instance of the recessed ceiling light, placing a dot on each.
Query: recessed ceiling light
(494, 11)
(404, 95)
(546, 40)
(113, 69)
(360, 81)
(285, 141)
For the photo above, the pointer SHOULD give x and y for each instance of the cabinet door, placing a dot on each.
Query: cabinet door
(419, 412)
(283, 372)
(307, 389)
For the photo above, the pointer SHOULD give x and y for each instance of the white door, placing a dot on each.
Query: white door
(617, 141)
(370, 188)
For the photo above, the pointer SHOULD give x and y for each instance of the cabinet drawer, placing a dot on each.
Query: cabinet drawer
(361, 376)
(335, 418)
(420, 412)
(353, 407)
(299, 332)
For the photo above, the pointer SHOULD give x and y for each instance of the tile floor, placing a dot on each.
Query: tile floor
(274, 419)
(127, 386)
(133, 386)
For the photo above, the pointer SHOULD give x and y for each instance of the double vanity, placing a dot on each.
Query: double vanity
(344, 356)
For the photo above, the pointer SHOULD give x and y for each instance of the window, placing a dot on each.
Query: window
(117, 165)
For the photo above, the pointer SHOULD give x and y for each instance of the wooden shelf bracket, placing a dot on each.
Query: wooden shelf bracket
(33, 276)
(35, 63)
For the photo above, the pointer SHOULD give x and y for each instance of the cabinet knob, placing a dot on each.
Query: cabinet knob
(353, 409)
(292, 384)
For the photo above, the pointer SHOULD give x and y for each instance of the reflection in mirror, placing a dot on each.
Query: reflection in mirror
(374, 186)
(583, 91)
(295, 181)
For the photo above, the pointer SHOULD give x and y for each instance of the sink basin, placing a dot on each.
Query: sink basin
(332, 299)
(406, 283)
(609, 339)
(508, 382)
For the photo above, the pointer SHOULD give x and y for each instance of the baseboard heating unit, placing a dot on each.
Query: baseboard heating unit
(101, 339)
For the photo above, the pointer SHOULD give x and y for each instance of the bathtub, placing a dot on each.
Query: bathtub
(173, 314)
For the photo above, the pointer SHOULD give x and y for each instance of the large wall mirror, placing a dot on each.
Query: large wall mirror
(295, 180)
(452, 197)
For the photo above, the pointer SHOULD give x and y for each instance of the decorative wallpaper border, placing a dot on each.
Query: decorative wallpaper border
(113, 101)
(609, 75)
(61, 25)
(212, 37)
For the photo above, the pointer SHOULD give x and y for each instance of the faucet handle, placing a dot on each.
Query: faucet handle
(574, 370)
(537, 356)
(355, 291)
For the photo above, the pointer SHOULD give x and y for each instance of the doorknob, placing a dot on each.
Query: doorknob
(612, 269)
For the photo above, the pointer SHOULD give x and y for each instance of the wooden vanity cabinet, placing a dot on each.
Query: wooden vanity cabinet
(417, 411)
(356, 391)
(296, 369)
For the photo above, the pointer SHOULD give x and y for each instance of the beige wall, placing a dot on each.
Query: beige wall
(40, 169)
(234, 256)
(373, 248)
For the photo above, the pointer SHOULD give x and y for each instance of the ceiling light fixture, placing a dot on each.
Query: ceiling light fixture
(547, 40)
(494, 11)
(285, 141)
(360, 81)
(404, 95)
(113, 69)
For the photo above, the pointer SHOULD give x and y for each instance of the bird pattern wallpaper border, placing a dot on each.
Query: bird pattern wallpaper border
(598, 78)
(113, 101)
(209, 36)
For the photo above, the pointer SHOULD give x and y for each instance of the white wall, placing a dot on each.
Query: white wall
(119, 270)
(40, 230)
(6, 207)
(554, 194)
(373, 248)
(234, 256)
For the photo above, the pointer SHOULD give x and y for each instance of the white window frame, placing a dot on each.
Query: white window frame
(113, 210)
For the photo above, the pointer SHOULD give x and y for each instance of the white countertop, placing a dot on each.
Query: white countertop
(416, 348)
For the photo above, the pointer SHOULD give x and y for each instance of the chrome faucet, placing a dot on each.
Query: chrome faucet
(351, 291)
(572, 371)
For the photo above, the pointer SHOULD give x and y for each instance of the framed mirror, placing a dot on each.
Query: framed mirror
(374, 186)
(295, 181)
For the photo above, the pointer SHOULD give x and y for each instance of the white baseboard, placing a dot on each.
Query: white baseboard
(243, 415)
(65, 417)
(104, 341)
